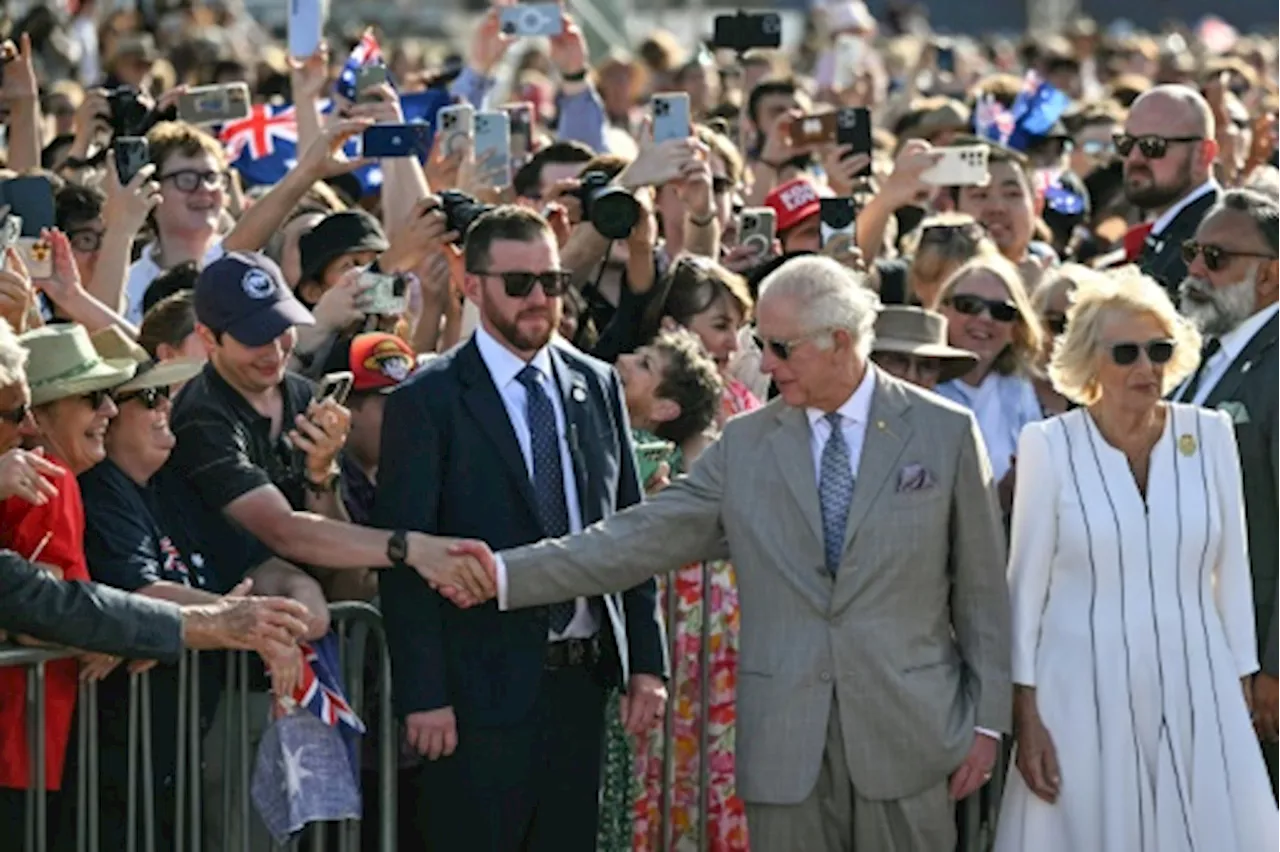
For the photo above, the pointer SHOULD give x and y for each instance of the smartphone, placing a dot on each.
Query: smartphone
(520, 119)
(814, 129)
(131, 154)
(10, 233)
(306, 26)
(758, 228)
(531, 19)
(849, 52)
(369, 77)
(493, 148)
(743, 31)
(127, 112)
(457, 123)
(838, 217)
(382, 294)
(395, 140)
(960, 165)
(853, 127)
(336, 386)
(649, 456)
(37, 255)
(214, 104)
(945, 58)
(671, 118)
(30, 198)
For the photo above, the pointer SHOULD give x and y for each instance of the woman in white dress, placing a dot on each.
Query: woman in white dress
(1132, 611)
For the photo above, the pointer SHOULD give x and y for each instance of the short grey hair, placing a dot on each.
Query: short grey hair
(13, 357)
(830, 296)
(1264, 212)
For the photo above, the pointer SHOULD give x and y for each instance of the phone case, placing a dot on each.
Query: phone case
(214, 104)
(385, 294)
(131, 153)
(962, 165)
(853, 127)
(457, 126)
(37, 255)
(336, 386)
(838, 216)
(306, 26)
(758, 228)
(531, 19)
(814, 129)
(671, 116)
(370, 76)
(31, 199)
(394, 140)
(520, 119)
(10, 233)
(493, 148)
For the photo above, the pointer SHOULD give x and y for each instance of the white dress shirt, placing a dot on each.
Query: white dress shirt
(504, 367)
(854, 414)
(1165, 218)
(1231, 345)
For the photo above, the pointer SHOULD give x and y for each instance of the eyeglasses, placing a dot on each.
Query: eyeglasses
(520, 284)
(149, 397)
(782, 349)
(86, 240)
(1158, 352)
(972, 306)
(189, 180)
(1096, 147)
(1215, 257)
(97, 397)
(16, 416)
(902, 364)
(1056, 323)
(1152, 147)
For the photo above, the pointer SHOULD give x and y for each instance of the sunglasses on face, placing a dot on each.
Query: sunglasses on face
(721, 186)
(1152, 147)
(972, 306)
(1215, 257)
(149, 397)
(517, 285)
(16, 416)
(1056, 323)
(96, 398)
(904, 365)
(1158, 352)
(781, 349)
(943, 234)
(188, 180)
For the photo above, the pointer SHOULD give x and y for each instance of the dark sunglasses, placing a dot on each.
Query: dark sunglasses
(901, 364)
(1158, 352)
(97, 397)
(943, 234)
(16, 416)
(721, 185)
(1056, 323)
(781, 349)
(1152, 147)
(972, 306)
(520, 284)
(149, 397)
(188, 180)
(1215, 257)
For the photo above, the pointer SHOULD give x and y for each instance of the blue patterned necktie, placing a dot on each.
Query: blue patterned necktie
(835, 491)
(548, 474)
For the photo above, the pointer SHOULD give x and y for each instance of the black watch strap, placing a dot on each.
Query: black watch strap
(398, 547)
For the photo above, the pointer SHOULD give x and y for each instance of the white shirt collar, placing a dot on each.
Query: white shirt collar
(857, 408)
(503, 364)
(1234, 341)
(1182, 203)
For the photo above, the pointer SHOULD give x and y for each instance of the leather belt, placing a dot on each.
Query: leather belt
(572, 652)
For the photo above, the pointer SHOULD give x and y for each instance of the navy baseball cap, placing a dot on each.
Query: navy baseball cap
(245, 295)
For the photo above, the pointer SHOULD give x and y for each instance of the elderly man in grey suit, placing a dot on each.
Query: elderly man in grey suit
(862, 522)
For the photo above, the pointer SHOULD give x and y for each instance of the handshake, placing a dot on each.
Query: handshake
(464, 571)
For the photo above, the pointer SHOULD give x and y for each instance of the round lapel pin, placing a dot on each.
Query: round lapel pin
(1187, 445)
(579, 393)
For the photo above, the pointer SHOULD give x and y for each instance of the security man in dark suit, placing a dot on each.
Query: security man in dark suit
(1231, 294)
(1168, 149)
(511, 438)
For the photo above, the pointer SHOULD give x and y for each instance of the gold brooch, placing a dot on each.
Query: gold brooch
(1187, 445)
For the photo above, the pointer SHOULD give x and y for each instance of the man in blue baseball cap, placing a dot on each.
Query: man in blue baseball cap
(246, 296)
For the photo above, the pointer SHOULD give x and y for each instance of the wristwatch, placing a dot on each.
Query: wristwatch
(325, 486)
(398, 547)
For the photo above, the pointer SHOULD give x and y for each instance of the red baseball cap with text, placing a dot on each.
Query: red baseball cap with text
(795, 201)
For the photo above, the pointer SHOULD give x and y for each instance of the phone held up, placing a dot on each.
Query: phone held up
(838, 218)
(30, 201)
(131, 154)
(745, 30)
(382, 294)
(336, 386)
(531, 19)
(671, 118)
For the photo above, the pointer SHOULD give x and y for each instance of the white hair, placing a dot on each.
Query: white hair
(828, 296)
(13, 357)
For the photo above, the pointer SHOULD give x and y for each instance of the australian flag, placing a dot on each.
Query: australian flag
(366, 52)
(321, 692)
(1034, 112)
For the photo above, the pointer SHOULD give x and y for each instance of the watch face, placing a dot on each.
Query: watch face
(396, 547)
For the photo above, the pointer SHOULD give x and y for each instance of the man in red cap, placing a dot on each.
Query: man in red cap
(797, 205)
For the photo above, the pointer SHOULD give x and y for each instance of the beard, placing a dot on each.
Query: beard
(1217, 310)
(1152, 195)
(512, 333)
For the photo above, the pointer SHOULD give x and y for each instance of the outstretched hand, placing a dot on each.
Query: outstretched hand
(462, 571)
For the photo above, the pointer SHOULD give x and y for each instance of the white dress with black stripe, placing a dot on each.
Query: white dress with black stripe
(1133, 620)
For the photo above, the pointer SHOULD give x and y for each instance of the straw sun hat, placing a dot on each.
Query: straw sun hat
(64, 363)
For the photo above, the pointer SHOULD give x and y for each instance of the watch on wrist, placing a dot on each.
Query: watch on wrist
(326, 485)
(398, 547)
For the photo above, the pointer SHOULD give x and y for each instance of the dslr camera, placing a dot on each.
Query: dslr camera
(460, 210)
(128, 114)
(610, 209)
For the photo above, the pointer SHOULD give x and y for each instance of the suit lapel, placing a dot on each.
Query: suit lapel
(789, 445)
(573, 400)
(1239, 370)
(485, 404)
(886, 438)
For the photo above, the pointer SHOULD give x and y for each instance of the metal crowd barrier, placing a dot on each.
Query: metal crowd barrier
(354, 622)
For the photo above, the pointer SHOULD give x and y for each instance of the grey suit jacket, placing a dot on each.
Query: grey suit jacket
(912, 636)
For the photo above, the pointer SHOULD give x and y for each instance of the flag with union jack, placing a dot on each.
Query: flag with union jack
(1036, 110)
(320, 692)
(366, 52)
(992, 121)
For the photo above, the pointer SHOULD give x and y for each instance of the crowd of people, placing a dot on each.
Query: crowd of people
(676, 524)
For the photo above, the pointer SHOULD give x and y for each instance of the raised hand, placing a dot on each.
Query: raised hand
(16, 294)
(425, 234)
(569, 49)
(19, 80)
(324, 157)
(320, 434)
(489, 44)
(308, 77)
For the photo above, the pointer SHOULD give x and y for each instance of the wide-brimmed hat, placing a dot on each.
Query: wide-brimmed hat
(114, 344)
(922, 333)
(63, 363)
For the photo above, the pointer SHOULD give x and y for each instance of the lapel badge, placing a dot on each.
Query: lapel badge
(1187, 445)
(579, 393)
(1246, 366)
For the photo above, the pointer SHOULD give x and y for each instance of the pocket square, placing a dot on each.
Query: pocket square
(915, 477)
(1236, 410)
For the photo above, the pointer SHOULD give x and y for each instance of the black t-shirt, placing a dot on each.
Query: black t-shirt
(225, 448)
